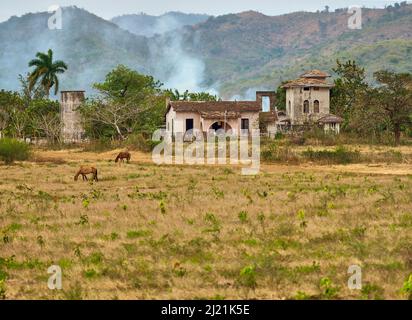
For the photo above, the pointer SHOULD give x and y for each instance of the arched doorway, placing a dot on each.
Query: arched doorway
(220, 125)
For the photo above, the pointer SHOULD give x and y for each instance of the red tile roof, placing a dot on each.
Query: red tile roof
(217, 106)
(330, 118)
(315, 74)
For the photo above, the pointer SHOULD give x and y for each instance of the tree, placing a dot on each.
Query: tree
(175, 95)
(281, 97)
(30, 93)
(394, 99)
(46, 71)
(45, 119)
(123, 84)
(123, 96)
(350, 85)
(8, 102)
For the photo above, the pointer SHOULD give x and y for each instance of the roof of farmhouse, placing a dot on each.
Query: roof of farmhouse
(315, 74)
(215, 106)
(313, 78)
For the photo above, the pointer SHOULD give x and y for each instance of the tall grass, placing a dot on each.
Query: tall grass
(340, 155)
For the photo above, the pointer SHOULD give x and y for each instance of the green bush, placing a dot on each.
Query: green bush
(12, 150)
(274, 152)
(141, 142)
(340, 155)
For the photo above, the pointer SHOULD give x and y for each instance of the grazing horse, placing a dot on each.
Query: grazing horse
(123, 155)
(84, 171)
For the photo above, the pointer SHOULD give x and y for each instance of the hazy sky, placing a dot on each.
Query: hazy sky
(110, 8)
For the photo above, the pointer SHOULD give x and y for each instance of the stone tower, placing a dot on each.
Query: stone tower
(72, 130)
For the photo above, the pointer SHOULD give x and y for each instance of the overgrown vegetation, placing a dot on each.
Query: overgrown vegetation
(13, 150)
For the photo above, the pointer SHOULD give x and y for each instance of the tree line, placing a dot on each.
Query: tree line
(128, 103)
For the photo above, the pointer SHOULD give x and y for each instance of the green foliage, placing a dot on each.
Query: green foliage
(175, 95)
(275, 152)
(329, 290)
(340, 155)
(243, 216)
(247, 277)
(407, 288)
(13, 150)
(127, 102)
(46, 71)
(351, 82)
(302, 220)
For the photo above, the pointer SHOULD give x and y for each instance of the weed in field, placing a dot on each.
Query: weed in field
(302, 220)
(75, 292)
(162, 207)
(40, 241)
(328, 289)
(300, 295)
(214, 225)
(219, 194)
(407, 288)
(243, 217)
(133, 234)
(371, 292)
(2, 290)
(84, 219)
(247, 277)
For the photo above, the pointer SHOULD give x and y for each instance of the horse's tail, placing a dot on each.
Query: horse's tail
(117, 159)
(76, 177)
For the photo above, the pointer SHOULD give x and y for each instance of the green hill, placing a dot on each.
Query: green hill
(231, 53)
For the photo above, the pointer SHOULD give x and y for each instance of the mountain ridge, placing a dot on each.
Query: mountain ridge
(230, 54)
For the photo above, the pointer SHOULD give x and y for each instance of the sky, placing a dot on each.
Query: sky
(110, 8)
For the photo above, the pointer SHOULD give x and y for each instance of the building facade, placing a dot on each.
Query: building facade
(308, 102)
(204, 116)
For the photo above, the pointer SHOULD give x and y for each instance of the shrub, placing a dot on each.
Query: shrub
(140, 142)
(329, 290)
(247, 277)
(407, 288)
(340, 155)
(276, 153)
(12, 150)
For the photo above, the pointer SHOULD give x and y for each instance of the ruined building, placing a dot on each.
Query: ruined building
(72, 129)
(203, 116)
(308, 102)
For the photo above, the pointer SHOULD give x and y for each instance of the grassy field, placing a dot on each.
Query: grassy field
(195, 232)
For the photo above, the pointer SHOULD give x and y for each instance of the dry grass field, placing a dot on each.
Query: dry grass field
(203, 232)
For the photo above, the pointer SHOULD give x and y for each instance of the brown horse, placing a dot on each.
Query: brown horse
(123, 155)
(84, 171)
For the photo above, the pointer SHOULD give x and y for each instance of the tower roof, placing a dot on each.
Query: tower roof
(315, 74)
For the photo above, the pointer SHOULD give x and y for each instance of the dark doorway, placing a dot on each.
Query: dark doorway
(189, 124)
(220, 125)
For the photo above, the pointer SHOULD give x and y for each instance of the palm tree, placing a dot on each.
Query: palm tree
(46, 71)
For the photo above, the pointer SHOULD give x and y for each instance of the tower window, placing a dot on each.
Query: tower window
(306, 106)
(316, 106)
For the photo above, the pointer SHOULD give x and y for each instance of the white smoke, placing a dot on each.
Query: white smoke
(172, 64)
